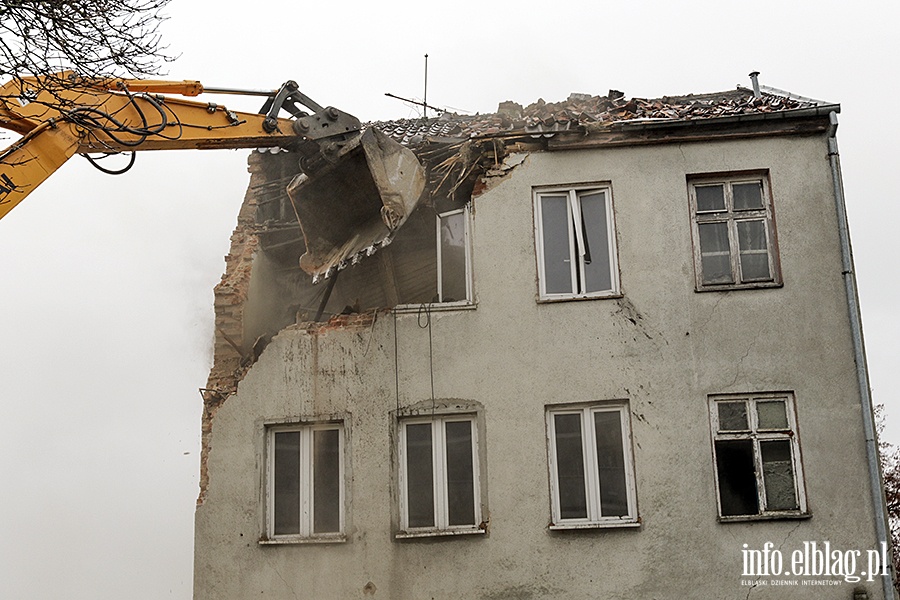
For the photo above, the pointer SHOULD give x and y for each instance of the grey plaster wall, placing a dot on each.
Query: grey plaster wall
(662, 346)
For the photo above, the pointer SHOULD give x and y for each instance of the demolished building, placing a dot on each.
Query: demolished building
(579, 358)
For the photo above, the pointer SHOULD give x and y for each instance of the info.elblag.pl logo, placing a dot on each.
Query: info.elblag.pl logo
(828, 565)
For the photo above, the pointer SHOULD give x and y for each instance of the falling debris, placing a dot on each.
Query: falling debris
(349, 210)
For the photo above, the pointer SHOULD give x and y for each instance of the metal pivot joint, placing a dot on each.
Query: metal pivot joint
(290, 99)
(328, 122)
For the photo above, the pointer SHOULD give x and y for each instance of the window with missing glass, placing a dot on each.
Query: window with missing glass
(439, 475)
(305, 482)
(734, 232)
(757, 456)
(576, 246)
(591, 472)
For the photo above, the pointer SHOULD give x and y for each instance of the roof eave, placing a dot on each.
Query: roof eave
(801, 121)
(796, 113)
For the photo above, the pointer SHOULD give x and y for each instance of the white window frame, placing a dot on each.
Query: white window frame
(757, 435)
(732, 217)
(576, 244)
(439, 477)
(305, 534)
(594, 518)
(467, 223)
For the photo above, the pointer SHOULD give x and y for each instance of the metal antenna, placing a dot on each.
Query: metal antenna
(424, 103)
(413, 102)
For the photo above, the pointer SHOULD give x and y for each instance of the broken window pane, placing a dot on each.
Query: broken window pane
(771, 414)
(732, 416)
(287, 483)
(326, 481)
(754, 250)
(597, 275)
(555, 226)
(453, 263)
(419, 476)
(460, 473)
(611, 464)
(755, 450)
(747, 196)
(778, 475)
(710, 198)
(737, 477)
(715, 253)
(570, 466)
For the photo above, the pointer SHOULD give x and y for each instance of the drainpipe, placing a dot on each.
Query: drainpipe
(859, 354)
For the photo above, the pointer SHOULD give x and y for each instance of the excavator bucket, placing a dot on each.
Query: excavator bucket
(353, 205)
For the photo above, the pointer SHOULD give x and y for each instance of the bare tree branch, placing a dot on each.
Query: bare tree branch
(890, 473)
(95, 38)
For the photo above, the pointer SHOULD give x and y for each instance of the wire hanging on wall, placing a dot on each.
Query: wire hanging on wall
(423, 320)
(426, 310)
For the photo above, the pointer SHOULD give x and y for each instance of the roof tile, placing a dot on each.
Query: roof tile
(577, 109)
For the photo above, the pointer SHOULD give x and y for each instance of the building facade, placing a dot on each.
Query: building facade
(616, 360)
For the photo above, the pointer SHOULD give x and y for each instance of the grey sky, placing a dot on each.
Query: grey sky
(106, 312)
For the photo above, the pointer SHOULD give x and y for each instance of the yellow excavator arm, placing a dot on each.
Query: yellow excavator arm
(91, 117)
(355, 190)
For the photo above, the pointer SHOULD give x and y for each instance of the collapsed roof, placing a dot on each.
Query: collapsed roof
(459, 150)
(591, 112)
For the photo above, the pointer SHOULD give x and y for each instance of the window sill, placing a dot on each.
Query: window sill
(596, 525)
(760, 285)
(336, 538)
(603, 296)
(772, 516)
(434, 307)
(430, 533)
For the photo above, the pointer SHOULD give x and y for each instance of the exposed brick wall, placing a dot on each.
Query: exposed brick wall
(351, 321)
(265, 209)
(234, 352)
(230, 351)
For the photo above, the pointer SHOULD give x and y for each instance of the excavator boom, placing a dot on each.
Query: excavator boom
(355, 191)
(128, 115)
(82, 118)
